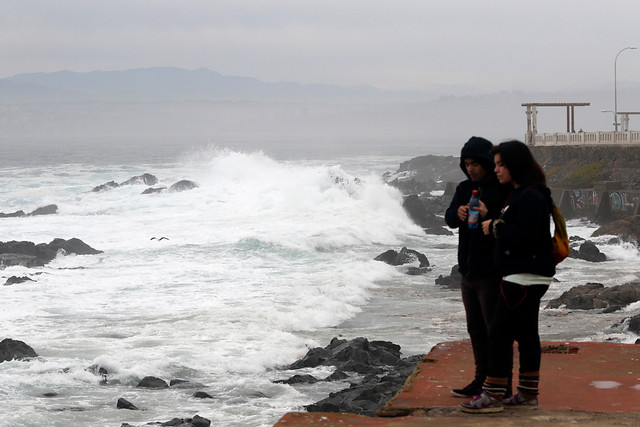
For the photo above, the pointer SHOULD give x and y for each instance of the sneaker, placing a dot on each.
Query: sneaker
(520, 402)
(483, 404)
(473, 389)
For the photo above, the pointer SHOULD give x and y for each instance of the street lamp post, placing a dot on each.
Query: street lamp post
(615, 87)
(614, 117)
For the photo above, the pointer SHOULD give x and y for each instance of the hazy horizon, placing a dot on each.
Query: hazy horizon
(466, 46)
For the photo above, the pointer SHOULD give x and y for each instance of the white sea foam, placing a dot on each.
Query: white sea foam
(264, 260)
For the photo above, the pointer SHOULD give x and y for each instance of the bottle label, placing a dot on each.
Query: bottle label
(473, 218)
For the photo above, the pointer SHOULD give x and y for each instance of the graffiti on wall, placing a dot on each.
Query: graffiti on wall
(582, 200)
(620, 202)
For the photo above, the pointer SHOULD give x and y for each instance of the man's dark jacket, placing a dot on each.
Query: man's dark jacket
(475, 250)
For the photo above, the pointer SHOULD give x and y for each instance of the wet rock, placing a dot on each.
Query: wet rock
(145, 178)
(589, 252)
(634, 324)
(627, 229)
(438, 231)
(202, 395)
(125, 404)
(451, 281)
(29, 254)
(299, 379)
(579, 297)
(13, 214)
(151, 190)
(183, 185)
(371, 394)
(196, 421)
(105, 187)
(13, 349)
(595, 295)
(152, 382)
(15, 280)
(405, 256)
(45, 210)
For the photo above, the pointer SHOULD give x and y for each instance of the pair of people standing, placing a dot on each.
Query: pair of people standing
(506, 268)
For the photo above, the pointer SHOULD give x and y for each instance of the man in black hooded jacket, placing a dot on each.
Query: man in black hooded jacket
(480, 277)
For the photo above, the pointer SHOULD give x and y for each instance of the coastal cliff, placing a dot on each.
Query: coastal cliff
(566, 166)
(570, 166)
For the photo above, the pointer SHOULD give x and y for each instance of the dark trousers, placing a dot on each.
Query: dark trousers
(479, 296)
(516, 319)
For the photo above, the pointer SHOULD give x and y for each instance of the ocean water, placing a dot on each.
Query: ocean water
(271, 255)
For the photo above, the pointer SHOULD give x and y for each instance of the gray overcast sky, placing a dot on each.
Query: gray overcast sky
(396, 44)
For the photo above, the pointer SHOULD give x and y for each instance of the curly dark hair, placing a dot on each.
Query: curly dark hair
(523, 167)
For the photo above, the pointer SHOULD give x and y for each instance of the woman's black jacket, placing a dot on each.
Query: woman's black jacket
(523, 237)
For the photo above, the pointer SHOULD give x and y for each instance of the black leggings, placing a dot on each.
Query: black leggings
(479, 296)
(515, 319)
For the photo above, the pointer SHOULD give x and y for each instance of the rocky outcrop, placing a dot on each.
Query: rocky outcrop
(29, 254)
(183, 185)
(451, 281)
(424, 174)
(421, 211)
(152, 382)
(13, 349)
(196, 421)
(15, 279)
(43, 210)
(597, 296)
(627, 229)
(144, 179)
(380, 363)
(617, 163)
(588, 251)
(405, 256)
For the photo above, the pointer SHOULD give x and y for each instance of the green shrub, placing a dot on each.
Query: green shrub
(584, 175)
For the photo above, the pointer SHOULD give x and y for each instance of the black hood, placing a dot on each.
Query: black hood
(479, 149)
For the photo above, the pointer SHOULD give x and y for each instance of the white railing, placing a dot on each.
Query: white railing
(587, 138)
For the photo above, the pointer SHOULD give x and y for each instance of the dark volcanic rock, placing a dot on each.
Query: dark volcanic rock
(183, 185)
(105, 187)
(13, 214)
(15, 279)
(405, 256)
(196, 421)
(579, 297)
(13, 349)
(634, 324)
(152, 382)
(145, 178)
(29, 254)
(589, 252)
(202, 395)
(45, 210)
(451, 281)
(152, 190)
(627, 229)
(125, 404)
(595, 295)
(380, 363)
(341, 352)
(298, 379)
(366, 397)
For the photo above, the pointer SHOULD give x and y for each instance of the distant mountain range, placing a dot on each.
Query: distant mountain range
(176, 84)
(174, 100)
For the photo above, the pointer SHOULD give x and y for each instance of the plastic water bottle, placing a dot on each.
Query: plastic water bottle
(474, 215)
